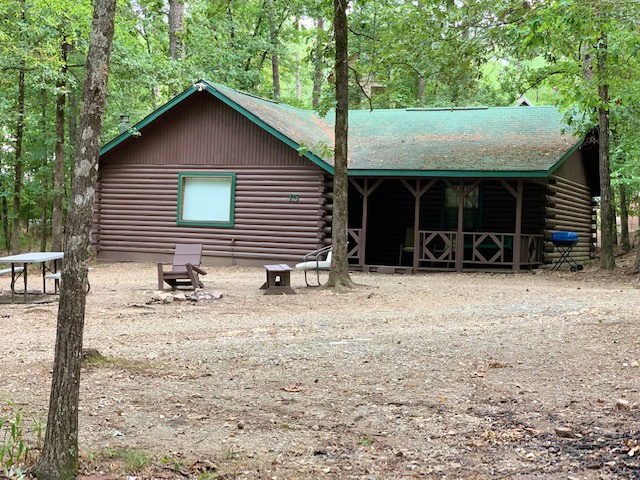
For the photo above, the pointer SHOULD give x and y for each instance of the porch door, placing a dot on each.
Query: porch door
(390, 221)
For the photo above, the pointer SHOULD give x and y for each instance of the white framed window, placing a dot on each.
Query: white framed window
(206, 199)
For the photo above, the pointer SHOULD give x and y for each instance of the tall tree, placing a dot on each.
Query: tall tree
(339, 274)
(421, 52)
(607, 217)
(17, 179)
(59, 459)
(19, 136)
(57, 231)
(275, 56)
(587, 63)
(176, 28)
(318, 62)
(624, 218)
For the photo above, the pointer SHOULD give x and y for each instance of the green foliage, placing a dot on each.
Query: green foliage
(175, 464)
(131, 458)
(231, 453)
(208, 476)
(403, 54)
(320, 149)
(14, 450)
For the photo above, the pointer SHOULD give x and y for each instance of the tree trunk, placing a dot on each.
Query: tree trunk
(58, 170)
(298, 79)
(607, 259)
(44, 180)
(614, 219)
(232, 28)
(17, 179)
(73, 124)
(420, 90)
(624, 219)
(44, 215)
(318, 78)
(176, 28)
(5, 224)
(59, 459)
(275, 59)
(339, 275)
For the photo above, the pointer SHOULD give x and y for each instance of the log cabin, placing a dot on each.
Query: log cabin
(430, 188)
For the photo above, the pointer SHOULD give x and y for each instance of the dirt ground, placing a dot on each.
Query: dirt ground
(439, 375)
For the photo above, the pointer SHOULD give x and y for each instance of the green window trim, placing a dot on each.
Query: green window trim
(222, 220)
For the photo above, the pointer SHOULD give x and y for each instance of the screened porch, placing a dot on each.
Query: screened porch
(422, 224)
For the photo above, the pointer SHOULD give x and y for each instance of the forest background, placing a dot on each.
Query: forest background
(581, 55)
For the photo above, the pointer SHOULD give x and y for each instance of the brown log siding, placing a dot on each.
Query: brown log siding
(139, 218)
(569, 207)
(136, 200)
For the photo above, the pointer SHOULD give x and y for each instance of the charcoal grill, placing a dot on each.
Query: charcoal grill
(564, 243)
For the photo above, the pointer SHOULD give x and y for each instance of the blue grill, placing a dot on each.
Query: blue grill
(564, 243)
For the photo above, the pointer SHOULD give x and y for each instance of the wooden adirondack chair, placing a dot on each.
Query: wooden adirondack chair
(185, 268)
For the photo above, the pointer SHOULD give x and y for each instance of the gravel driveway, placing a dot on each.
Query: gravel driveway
(441, 375)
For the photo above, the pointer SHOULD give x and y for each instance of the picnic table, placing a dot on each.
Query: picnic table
(20, 262)
(278, 280)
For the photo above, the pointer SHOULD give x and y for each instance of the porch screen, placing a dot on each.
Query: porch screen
(471, 210)
(206, 199)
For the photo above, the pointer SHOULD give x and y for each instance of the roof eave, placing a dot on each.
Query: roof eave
(449, 173)
(134, 131)
(570, 152)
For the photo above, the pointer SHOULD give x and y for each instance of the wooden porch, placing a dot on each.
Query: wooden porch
(424, 217)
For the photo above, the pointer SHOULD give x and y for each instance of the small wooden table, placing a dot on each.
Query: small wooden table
(278, 280)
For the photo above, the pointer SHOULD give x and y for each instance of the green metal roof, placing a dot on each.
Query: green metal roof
(496, 141)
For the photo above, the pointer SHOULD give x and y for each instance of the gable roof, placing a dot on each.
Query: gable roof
(300, 129)
(495, 141)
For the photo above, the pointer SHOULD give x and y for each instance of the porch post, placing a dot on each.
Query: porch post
(517, 244)
(416, 227)
(363, 233)
(460, 192)
(365, 191)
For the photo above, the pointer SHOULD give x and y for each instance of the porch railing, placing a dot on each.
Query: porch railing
(483, 248)
(355, 247)
(532, 250)
(438, 249)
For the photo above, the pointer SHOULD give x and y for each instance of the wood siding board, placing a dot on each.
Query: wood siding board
(572, 168)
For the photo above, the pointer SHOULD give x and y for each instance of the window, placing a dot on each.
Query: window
(206, 199)
(471, 213)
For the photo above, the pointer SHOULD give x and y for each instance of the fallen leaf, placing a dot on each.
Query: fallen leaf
(293, 388)
(498, 365)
